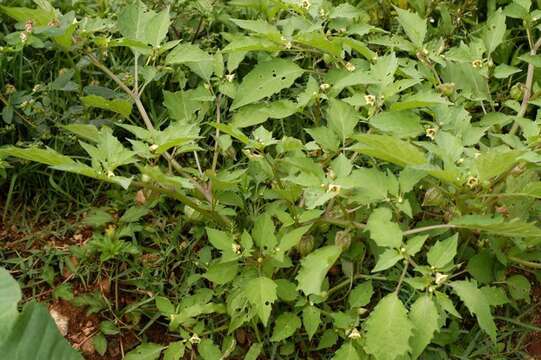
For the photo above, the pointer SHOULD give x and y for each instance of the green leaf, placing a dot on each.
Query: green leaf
(292, 238)
(314, 268)
(387, 259)
(119, 106)
(10, 295)
(222, 273)
(424, 316)
(519, 287)
(503, 71)
(496, 296)
(497, 225)
(220, 240)
(257, 26)
(389, 148)
(383, 231)
(388, 329)
(136, 22)
(494, 31)
(35, 336)
(85, 131)
(255, 114)
(415, 244)
(100, 343)
(443, 252)
(531, 59)
(413, 25)
(208, 350)
(342, 118)
(175, 351)
(403, 124)
(475, 301)
(261, 293)
(360, 295)
(40, 17)
(285, 326)
(420, 99)
(311, 319)
(254, 352)
(192, 56)
(266, 79)
(347, 352)
(44, 156)
(493, 163)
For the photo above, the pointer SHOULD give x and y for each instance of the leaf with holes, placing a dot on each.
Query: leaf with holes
(267, 78)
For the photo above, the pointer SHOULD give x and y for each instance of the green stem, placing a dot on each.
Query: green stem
(530, 264)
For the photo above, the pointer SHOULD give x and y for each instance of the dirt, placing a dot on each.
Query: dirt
(533, 346)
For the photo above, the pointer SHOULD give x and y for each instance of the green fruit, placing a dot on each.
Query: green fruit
(306, 245)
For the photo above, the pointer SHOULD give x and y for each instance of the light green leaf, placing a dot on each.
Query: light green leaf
(475, 301)
(402, 124)
(220, 240)
(413, 25)
(417, 100)
(383, 231)
(192, 56)
(175, 351)
(389, 148)
(494, 163)
(261, 293)
(360, 295)
(424, 316)
(208, 350)
(347, 352)
(387, 259)
(266, 79)
(503, 71)
(222, 273)
(311, 319)
(414, 245)
(44, 156)
(136, 22)
(257, 26)
(255, 114)
(285, 326)
(119, 106)
(10, 295)
(292, 238)
(314, 268)
(85, 131)
(513, 228)
(342, 118)
(443, 252)
(145, 351)
(35, 336)
(254, 352)
(388, 329)
(495, 295)
(100, 343)
(40, 17)
(494, 31)
(519, 287)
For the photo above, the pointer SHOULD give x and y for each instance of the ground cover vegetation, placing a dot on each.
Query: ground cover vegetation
(270, 179)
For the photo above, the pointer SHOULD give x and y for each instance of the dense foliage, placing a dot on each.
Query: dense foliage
(284, 179)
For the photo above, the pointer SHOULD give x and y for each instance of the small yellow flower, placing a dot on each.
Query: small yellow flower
(354, 334)
(370, 100)
(23, 36)
(350, 67)
(472, 182)
(477, 63)
(230, 77)
(29, 26)
(305, 4)
(324, 87)
(431, 133)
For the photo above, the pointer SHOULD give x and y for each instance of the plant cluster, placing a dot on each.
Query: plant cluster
(344, 181)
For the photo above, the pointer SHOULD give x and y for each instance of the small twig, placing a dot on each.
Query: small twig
(428, 228)
(402, 276)
(530, 264)
(527, 88)
(218, 121)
